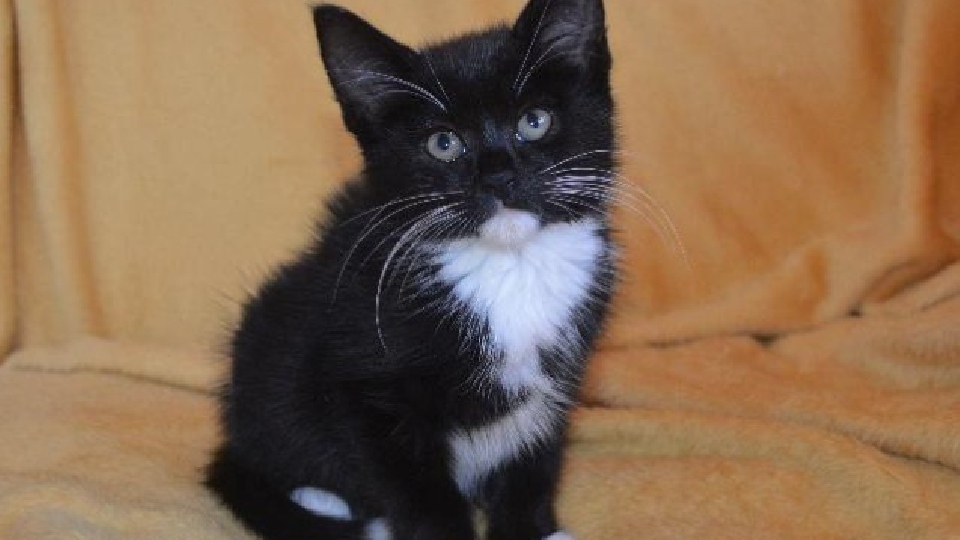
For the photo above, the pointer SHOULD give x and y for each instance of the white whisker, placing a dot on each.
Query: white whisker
(386, 265)
(540, 61)
(408, 254)
(417, 89)
(436, 78)
(570, 212)
(574, 201)
(620, 193)
(605, 172)
(533, 41)
(571, 158)
(373, 224)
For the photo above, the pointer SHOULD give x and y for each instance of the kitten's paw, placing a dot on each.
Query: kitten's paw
(322, 503)
(377, 530)
(560, 535)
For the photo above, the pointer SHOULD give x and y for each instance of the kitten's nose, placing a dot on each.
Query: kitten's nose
(498, 181)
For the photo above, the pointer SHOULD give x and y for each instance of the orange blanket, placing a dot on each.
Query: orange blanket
(784, 361)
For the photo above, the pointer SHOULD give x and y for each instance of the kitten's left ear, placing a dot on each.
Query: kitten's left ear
(364, 64)
(574, 30)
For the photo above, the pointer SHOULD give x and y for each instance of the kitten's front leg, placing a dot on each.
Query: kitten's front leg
(520, 498)
(433, 509)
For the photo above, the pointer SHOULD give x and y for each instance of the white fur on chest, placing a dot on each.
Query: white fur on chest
(527, 295)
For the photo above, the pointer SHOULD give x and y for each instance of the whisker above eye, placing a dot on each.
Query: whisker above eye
(536, 65)
(405, 91)
(436, 78)
(533, 41)
(415, 88)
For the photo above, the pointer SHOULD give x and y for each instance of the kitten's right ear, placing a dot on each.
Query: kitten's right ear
(363, 63)
(569, 31)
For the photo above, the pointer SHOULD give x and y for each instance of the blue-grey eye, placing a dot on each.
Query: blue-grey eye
(534, 124)
(445, 146)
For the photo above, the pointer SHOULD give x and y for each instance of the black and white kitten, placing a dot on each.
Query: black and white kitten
(421, 358)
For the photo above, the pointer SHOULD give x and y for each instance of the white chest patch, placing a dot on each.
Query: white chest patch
(526, 293)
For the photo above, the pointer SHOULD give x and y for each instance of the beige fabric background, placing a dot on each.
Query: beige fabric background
(8, 96)
(791, 371)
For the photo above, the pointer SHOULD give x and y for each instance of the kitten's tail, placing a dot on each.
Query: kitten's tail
(272, 514)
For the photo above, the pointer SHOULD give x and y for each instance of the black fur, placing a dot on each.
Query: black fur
(348, 374)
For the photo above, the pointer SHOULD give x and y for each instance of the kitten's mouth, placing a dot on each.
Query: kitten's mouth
(509, 228)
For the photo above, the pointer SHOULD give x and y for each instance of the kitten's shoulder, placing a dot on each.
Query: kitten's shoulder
(351, 198)
(296, 290)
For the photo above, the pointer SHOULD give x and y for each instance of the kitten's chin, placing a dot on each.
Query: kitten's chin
(509, 228)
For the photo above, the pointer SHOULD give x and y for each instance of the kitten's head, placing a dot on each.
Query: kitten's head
(496, 133)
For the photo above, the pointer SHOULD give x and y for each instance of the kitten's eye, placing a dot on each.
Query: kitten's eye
(445, 146)
(534, 124)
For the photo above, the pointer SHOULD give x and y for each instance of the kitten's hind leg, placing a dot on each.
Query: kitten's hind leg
(274, 515)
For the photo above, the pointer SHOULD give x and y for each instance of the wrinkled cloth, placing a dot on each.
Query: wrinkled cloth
(783, 360)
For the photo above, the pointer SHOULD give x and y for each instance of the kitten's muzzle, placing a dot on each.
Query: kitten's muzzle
(509, 228)
(502, 187)
(500, 181)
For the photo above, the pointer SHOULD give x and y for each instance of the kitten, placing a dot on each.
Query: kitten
(422, 357)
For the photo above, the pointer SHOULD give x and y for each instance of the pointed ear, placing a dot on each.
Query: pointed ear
(571, 31)
(364, 64)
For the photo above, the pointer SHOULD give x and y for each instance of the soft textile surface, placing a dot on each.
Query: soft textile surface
(7, 98)
(788, 368)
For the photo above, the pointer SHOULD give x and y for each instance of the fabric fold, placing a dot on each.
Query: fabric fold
(784, 355)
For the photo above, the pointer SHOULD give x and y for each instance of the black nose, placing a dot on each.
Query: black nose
(498, 181)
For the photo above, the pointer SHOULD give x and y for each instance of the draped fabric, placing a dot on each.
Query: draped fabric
(784, 355)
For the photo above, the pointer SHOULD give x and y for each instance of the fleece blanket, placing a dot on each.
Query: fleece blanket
(784, 358)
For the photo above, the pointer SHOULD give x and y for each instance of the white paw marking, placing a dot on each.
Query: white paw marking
(560, 535)
(322, 503)
(378, 530)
